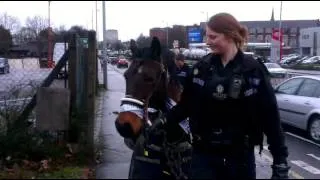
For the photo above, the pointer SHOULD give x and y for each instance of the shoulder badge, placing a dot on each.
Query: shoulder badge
(195, 71)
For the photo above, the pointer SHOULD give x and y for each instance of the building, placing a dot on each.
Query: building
(170, 35)
(261, 31)
(111, 36)
(160, 33)
(310, 41)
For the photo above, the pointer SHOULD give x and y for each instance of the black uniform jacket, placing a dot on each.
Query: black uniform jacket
(237, 97)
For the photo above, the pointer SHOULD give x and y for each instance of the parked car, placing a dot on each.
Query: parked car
(122, 62)
(113, 60)
(276, 70)
(4, 66)
(298, 100)
(312, 60)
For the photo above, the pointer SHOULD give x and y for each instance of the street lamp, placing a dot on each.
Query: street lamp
(202, 12)
(167, 33)
(50, 63)
(97, 21)
(104, 50)
(280, 32)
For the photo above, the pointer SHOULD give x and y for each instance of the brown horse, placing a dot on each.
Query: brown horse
(149, 81)
(151, 86)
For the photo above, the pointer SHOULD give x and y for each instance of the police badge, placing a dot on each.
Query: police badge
(235, 87)
(195, 71)
(219, 93)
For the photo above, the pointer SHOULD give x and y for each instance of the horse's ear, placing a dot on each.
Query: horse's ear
(134, 48)
(155, 47)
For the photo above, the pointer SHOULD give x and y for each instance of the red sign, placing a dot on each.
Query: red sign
(275, 35)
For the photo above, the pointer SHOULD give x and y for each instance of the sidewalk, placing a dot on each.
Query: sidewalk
(116, 156)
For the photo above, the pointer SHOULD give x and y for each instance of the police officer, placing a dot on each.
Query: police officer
(231, 103)
(182, 69)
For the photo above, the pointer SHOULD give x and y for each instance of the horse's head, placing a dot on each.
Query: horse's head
(146, 81)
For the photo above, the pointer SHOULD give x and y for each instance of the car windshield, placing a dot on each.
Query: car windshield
(272, 65)
(121, 57)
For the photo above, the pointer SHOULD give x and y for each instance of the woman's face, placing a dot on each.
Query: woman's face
(217, 42)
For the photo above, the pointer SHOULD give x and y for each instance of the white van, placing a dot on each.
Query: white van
(58, 51)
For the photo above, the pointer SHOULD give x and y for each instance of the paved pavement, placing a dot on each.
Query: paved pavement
(116, 156)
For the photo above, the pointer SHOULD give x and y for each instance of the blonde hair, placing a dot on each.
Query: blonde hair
(228, 25)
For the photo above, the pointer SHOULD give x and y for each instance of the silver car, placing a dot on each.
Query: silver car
(298, 100)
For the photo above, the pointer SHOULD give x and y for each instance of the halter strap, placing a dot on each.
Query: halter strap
(132, 100)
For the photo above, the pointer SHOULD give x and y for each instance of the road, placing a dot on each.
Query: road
(304, 155)
(24, 76)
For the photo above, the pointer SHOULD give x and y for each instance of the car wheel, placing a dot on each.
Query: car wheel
(314, 129)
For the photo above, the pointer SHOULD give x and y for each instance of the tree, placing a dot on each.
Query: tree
(143, 41)
(5, 40)
(81, 31)
(10, 22)
(25, 35)
(61, 34)
(134, 48)
(117, 45)
(36, 24)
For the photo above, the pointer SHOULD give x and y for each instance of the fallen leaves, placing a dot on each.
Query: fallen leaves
(65, 166)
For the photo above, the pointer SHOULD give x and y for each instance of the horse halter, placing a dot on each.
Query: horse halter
(140, 107)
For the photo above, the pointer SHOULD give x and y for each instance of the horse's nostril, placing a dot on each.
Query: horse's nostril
(115, 112)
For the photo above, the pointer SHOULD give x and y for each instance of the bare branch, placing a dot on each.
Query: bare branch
(10, 22)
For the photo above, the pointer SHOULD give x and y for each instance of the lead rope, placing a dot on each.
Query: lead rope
(174, 159)
(173, 154)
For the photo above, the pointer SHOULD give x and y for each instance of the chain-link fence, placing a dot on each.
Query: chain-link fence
(21, 77)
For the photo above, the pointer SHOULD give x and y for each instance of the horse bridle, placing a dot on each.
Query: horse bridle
(141, 107)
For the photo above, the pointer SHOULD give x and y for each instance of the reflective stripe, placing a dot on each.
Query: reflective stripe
(132, 100)
(145, 159)
(154, 147)
(131, 108)
(170, 103)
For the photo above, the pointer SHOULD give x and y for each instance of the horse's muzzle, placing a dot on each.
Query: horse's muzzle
(128, 124)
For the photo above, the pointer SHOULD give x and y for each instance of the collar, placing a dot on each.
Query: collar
(238, 58)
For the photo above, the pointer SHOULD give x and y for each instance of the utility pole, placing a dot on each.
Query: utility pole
(97, 21)
(167, 35)
(92, 20)
(49, 58)
(105, 77)
(280, 33)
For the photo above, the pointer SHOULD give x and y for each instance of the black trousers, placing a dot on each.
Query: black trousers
(216, 166)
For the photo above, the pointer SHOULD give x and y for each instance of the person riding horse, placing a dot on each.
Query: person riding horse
(151, 90)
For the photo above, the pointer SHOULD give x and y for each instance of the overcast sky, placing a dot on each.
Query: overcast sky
(133, 18)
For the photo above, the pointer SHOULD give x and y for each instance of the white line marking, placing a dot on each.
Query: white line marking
(314, 156)
(295, 175)
(304, 139)
(270, 160)
(306, 167)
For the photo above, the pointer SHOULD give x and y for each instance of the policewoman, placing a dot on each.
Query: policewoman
(231, 104)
